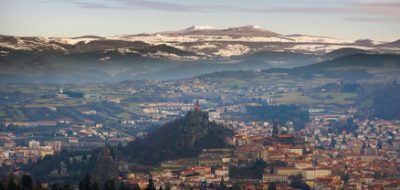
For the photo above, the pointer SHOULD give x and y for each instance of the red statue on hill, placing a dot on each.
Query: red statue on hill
(197, 106)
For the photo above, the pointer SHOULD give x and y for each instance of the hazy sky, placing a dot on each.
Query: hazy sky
(346, 19)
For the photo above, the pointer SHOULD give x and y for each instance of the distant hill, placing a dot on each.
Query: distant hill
(281, 114)
(345, 52)
(349, 67)
(394, 44)
(386, 103)
(181, 138)
(236, 32)
(356, 60)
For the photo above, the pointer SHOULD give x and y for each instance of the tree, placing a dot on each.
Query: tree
(379, 145)
(235, 187)
(11, 183)
(259, 167)
(106, 169)
(168, 186)
(222, 185)
(96, 186)
(38, 186)
(275, 130)
(150, 186)
(26, 182)
(122, 186)
(271, 169)
(66, 187)
(333, 142)
(109, 185)
(135, 187)
(346, 178)
(85, 183)
(54, 186)
(272, 186)
(297, 182)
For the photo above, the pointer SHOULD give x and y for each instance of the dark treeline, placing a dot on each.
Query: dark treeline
(349, 126)
(74, 94)
(255, 170)
(25, 182)
(11, 182)
(281, 114)
(386, 104)
(381, 102)
(76, 164)
(342, 87)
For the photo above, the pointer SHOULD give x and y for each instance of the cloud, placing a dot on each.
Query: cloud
(95, 5)
(372, 19)
(163, 6)
(382, 9)
(371, 12)
(355, 10)
(151, 5)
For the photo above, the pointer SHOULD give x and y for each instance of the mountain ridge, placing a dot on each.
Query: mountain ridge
(204, 42)
(195, 50)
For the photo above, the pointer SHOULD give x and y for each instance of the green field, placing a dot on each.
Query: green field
(3, 113)
(134, 107)
(314, 98)
(124, 115)
(39, 103)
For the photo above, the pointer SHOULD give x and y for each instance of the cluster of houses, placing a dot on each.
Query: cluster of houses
(11, 154)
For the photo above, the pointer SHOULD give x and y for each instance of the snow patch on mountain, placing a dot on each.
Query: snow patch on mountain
(324, 48)
(205, 46)
(316, 39)
(171, 56)
(125, 51)
(14, 46)
(248, 27)
(200, 27)
(232, 50)
(73, 41)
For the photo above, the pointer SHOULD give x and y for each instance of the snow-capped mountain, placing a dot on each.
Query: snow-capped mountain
(198, 42)
(167, 55)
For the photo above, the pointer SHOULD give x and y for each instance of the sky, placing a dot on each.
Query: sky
(345, 19)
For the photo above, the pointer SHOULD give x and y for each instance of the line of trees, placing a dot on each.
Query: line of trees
(11, 182)
(281, 114)
(24, 183)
